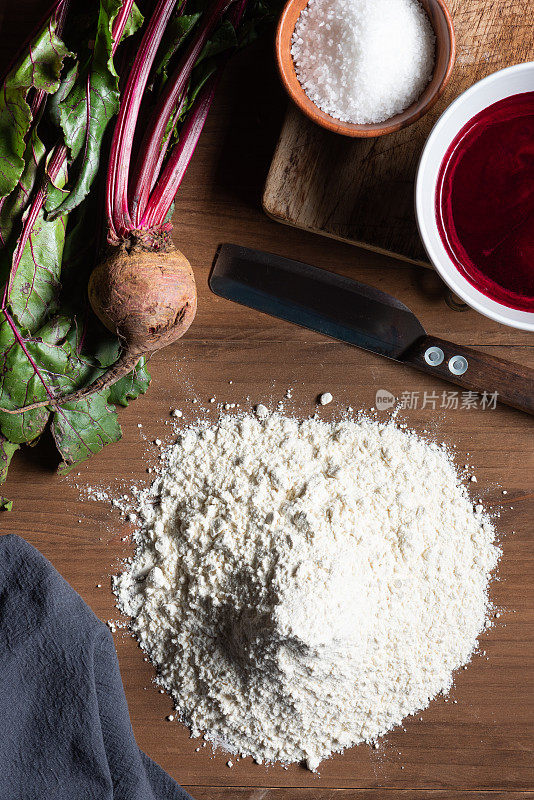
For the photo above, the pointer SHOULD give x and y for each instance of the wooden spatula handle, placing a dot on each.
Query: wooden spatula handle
(473, 370)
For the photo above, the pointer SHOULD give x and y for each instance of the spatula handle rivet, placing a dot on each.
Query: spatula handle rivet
(434, 356)
(458, 365)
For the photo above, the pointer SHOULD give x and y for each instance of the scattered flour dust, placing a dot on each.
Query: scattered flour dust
(302, 586)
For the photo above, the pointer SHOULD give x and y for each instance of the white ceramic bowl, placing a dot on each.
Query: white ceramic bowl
(504, 83)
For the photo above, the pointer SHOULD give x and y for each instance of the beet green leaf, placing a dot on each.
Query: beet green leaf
(89, 106)
(39, 69)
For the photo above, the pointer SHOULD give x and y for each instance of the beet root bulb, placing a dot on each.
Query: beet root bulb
(147, 298)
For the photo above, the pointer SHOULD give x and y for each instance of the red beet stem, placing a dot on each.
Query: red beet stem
(119, 24)
(170, 179)
(118, 215)
(168, 183)
(163, 151)
(153, 143)
(237, 12)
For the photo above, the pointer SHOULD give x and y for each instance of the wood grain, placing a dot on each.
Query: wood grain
(482, 741)
(361, 191)
(216, 793)
(482, 746)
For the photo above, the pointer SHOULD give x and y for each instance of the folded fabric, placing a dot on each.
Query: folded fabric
(65, 731)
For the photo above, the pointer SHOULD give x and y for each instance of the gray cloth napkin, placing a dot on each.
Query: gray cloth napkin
(65, 731)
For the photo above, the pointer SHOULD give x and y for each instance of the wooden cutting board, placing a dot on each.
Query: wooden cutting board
(361, 190)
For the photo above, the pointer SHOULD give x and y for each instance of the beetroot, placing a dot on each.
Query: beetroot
(147, 298)
(144, 290)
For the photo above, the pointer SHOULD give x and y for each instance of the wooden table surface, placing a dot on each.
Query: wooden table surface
(480, 746)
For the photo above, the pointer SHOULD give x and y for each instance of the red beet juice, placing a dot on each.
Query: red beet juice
(485, 201)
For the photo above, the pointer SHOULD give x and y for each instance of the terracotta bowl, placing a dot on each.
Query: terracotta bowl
(445, 52)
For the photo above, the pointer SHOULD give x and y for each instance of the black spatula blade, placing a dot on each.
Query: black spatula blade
(316, 299)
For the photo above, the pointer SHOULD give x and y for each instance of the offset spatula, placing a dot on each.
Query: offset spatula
(360, 315)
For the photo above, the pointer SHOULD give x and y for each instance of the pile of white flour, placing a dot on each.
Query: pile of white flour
(302, 586)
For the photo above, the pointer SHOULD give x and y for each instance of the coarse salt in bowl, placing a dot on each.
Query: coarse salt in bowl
(351, 61)
(357, 66)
